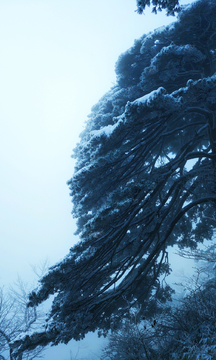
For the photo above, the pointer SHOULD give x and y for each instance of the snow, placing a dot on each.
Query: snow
(106, 130)
(157, 32)
(89, 252)
(82, 170)
(146, 99)
(22, 336)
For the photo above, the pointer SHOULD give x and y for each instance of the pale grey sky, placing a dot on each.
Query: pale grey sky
(57, 59)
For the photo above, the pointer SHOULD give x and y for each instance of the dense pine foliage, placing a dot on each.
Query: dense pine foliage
(144, 180)
(172, 6)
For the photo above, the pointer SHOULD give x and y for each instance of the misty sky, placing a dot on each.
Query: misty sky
(57, 59)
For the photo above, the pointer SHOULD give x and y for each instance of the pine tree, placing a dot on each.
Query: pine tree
(144, 180)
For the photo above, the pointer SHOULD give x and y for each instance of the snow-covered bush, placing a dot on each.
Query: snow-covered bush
(185, 331)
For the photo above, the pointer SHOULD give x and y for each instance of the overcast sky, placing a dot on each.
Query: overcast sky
(57, 59)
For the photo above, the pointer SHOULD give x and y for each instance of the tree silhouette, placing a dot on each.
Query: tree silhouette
(144, 180)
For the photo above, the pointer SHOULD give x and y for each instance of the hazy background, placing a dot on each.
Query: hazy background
(57, 59)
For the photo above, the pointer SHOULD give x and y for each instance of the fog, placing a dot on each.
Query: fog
(57, 60)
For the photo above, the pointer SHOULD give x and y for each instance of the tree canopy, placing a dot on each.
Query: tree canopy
(172, 6)
(144, 180)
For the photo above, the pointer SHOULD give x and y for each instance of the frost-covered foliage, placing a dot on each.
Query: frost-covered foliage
(16, 319)
(131, 342)
(144, 180)
(186, 331)
(171, 6)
